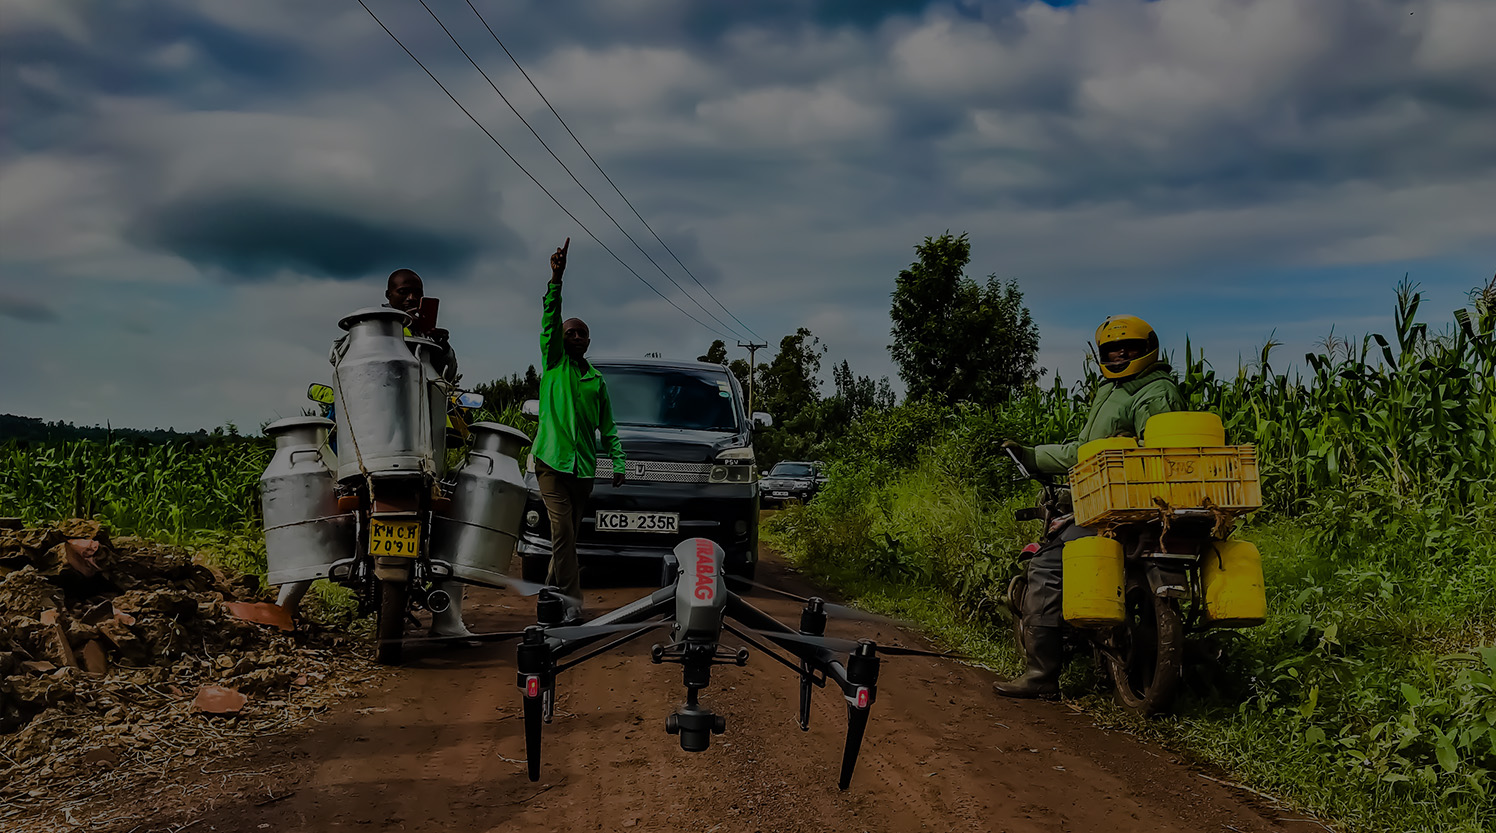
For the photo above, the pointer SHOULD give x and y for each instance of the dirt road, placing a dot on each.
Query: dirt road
(440, 747)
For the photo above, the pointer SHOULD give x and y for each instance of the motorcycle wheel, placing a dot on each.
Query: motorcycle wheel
(1017, 589)
(389, 626)
(1148, 649)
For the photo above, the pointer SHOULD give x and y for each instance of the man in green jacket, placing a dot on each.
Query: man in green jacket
(574, 412)
(1137, 386)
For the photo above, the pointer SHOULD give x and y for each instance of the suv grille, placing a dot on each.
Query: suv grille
(657, 471)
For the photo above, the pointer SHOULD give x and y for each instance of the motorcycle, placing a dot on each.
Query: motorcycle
(385, 516)
(1169, 565)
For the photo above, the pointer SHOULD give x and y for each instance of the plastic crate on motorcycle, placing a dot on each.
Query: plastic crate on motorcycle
(1123, 485)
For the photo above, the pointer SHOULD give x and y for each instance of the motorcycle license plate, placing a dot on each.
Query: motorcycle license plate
(396, 538)
(638, 522)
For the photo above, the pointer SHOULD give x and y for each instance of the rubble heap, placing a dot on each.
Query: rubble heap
(117, 649)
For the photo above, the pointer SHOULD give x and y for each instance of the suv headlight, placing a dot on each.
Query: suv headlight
(735, 465)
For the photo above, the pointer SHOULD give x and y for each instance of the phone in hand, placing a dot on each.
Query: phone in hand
(426, 315)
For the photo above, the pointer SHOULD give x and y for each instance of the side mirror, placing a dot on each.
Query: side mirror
(763, 474)
(470, 400)
(762, 419)
(531, 408)
(320, 393)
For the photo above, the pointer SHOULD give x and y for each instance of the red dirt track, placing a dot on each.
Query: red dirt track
(440, 747)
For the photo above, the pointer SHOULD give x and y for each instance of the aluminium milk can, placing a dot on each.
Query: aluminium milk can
(304, 532)
(477, 534)
(383, 408)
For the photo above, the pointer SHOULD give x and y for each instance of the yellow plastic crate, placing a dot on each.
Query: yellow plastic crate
(1120, 485)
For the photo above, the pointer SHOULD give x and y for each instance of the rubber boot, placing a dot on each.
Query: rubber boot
(1041, 679)
(291, 593)
(449, 621)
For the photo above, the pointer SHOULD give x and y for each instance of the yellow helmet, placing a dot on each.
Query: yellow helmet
(1126, 328)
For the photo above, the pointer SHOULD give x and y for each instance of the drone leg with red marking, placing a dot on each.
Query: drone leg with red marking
(861, 689)
(535, 678)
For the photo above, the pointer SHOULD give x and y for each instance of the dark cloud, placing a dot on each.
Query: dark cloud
(125, 50)
(29, 310)
(251, 238)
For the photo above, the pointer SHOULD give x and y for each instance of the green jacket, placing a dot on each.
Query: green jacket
(574, 405)
(1117, 408)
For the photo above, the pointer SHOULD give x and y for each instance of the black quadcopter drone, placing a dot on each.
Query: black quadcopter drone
(696, 606)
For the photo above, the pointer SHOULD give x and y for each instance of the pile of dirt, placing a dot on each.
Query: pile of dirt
(120, 650)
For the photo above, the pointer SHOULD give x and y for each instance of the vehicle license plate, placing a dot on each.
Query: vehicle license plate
(781, 494)
(638, 522)
(397, 538)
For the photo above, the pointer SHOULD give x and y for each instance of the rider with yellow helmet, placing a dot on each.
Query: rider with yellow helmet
(1137, 385)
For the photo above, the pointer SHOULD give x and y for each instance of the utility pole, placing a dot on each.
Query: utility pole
(752, 348)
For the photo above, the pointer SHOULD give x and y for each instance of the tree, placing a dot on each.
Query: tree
(955, 340)
(788, 385)
(503, 393)
(789, 390)
(716, 354)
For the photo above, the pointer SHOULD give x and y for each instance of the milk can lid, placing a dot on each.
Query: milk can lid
(281, 426)
(368, 313)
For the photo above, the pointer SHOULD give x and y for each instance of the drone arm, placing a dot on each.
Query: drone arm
(646, 628)
(768, 626)
(766, 650)
(660, 601)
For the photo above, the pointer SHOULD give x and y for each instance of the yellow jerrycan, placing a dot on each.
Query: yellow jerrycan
(1231, 576)
(1093, 582)
(1184, 429)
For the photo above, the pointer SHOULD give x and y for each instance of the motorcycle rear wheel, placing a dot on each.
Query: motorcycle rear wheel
(1148, 649)
(389, 625)
(1017, 589)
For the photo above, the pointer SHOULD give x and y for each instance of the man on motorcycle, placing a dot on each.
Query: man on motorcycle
(1137, 386)
(403, 291)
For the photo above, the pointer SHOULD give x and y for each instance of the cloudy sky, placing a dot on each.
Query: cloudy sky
(192, 193)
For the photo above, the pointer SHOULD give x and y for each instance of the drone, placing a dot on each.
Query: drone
(697, 606)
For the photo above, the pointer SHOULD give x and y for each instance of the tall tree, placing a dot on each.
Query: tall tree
(716, 354)
(789, 384)
(954, 339)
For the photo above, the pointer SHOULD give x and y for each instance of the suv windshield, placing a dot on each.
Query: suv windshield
(699, 400)
(792, 470)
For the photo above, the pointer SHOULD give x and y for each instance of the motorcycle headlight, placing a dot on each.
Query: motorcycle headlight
(532, 518)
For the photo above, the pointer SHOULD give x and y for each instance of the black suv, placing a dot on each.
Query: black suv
(791, 480)
(691, 471)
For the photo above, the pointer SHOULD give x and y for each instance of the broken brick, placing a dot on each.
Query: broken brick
(216, 699)
(262, 613)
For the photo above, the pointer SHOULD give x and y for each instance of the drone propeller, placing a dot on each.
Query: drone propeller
(835, 610)
(584, 631)
(530, 588)
(472, 637)
(847, 646)
(559, 632)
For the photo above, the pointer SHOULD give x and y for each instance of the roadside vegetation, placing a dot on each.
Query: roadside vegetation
(1369, 697)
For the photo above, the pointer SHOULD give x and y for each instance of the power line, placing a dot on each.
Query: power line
(573, 176)
(600, 168)
(531, 176)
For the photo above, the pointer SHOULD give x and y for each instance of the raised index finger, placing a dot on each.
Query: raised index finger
(566, 245)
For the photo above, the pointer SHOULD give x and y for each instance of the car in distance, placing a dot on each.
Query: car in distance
(691, 472)
(791, 480)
